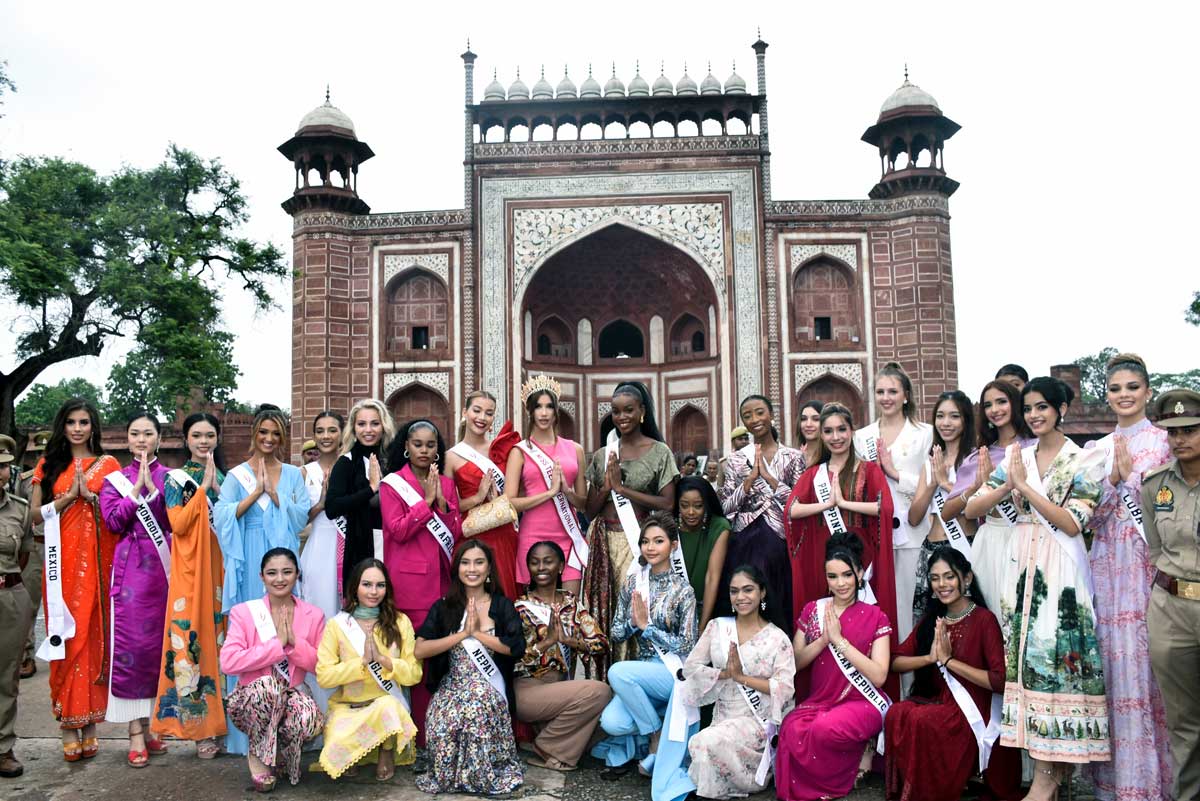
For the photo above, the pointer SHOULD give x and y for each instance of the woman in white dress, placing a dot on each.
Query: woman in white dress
(319, 558)
(900, 444)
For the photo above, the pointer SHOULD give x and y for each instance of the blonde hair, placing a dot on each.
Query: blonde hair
(277, 417)
(476, 395)
(385, 417)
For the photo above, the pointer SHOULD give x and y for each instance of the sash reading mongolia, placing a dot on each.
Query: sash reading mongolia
(483, 662)
(437, 529)
(757, 705)
(146, 518)
(578, 558)
(265, 625)
(60, 624)
(358, 641)
(682, 715)
(857, 680)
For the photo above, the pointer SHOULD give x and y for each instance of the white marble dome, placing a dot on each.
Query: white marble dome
(710, 85)
(614, 87)
(663, 86)
(735, 84)
(590, 86)
(542, 90)
(909, 94)
(686, 86)
(638, 86)
(518, 90)
(566, 87)
(494, 91)
(326, 114)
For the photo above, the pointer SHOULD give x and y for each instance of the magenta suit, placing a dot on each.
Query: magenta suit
(139, 586)
(246, 656)
(418, 569)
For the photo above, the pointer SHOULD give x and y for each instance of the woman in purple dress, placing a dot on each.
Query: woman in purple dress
(135, 510)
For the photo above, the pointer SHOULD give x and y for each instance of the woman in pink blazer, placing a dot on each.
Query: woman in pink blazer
(421, 527)
(271, 645)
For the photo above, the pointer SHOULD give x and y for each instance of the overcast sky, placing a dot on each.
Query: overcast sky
(1078, 179)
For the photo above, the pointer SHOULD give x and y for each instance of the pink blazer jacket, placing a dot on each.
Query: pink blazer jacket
(417, 568)
(246, 656)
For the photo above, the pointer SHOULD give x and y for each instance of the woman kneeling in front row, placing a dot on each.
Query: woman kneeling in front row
(366, 656)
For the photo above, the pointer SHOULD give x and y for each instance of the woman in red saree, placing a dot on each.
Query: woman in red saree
(860, 495)
(71, 475)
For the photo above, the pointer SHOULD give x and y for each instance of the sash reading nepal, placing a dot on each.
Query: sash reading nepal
(265, 625)
(954, 530)
(358, 641)
(682, 715)
(578, 558)
(483, 662)
(757, 705)
(857, 680)
(145, 517)
(436, 528)
(60, 625)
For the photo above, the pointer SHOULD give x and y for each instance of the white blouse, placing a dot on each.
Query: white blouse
(909, 454)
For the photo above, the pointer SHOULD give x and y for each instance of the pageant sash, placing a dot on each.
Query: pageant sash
(436, 528)
(265, 625)
(872, 448)
(183, 479)
(483, 662)
(857, 680)
(985, 736)
(578, 558)
(358, 641)
(145, 516)
(1074, 546)
(625, 513)
(682, 714)
(542, 613)
(485, 465)
(954, 530)
(246, 478)
(758, 706)
(1128, 499)
(824, 489)
(60, 625)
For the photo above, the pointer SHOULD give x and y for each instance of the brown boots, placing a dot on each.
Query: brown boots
(10, 768)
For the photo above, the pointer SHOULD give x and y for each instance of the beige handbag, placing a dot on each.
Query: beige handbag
(487, 516)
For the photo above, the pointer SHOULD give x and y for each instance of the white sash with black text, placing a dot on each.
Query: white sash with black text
(145, 516)
(1074, 546)
(954, 530)
(542, 613)
(1128, 499)
(857, 680)
(436, 528)
(682, 715)
(485, 465)
(985, 736)
(183, 480)
(60, 624)
(249, 482)
(823, 487)
(265, 625)
(483, 662)
(578, 557)
(358, 641)
(758, 706)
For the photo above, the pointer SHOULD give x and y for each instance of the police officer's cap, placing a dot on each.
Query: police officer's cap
(1177, 408)
(8, 449)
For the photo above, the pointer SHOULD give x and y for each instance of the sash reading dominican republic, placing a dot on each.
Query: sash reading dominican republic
(145, 517)
(1074, 546)
(60, 625)
(358, 641)
(857, 680)
(265, 625)
(483, 662)
(578, 558)
(954, 530)
(682, 715)
(1128, 499)
(436, 528)
(757, 704)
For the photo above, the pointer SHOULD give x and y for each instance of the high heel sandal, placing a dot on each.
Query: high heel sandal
(155, 746)
(72, 751)
(263, 782)
(137, 758)
(91, 747)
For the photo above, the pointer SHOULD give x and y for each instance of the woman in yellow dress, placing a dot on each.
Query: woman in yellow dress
(366, 657)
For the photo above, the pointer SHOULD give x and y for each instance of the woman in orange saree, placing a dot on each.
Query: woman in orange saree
(73, 469)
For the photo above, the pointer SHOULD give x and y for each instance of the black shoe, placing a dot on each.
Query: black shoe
(421, 763)
(612, 773)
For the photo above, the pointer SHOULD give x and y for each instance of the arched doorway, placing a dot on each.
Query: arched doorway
(416, 401)
(825, 306)
(829, 389)
(689, 431)
(417, 317)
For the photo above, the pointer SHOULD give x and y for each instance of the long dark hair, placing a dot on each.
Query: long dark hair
(846, 476)
(1054, 390)
(456, 596)
(923, 683)
(989, 435)
(58, 448)
(397, 455)
(770, 410)
(554, 546)
(637, 389)
(708, 495)
(218, 453)
(966, 441)
(387, 609)
(845, 547)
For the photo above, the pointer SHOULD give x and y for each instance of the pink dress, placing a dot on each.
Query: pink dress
(1141, 766)
(541, 522)
(822, 740)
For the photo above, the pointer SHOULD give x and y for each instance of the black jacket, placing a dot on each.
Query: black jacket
(508, 631)
(350, 496)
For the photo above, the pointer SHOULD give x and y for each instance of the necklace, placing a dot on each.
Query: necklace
(955, 618)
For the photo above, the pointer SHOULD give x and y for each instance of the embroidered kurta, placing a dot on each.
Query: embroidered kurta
(79, 681)
(1054, 694)
(139, 585)
(1141, 768)
(189, 702)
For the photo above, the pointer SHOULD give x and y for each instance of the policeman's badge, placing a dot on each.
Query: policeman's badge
(1178, 407)
(1164, 500)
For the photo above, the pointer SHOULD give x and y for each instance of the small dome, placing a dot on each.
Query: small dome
(710, 85)
(494, 91)
(590, 87)
(542, 90)
(909, 94)
(735, 84)
(663, 86)
(326, 114)
(613, 87)
(566, 87)
(686, 85)
(638, 86)
(518, 90)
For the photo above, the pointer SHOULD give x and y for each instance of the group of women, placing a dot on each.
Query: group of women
(444, 598)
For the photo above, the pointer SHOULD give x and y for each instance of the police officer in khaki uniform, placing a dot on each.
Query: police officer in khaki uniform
(16, 541)
(36, 566)
(1171, 508)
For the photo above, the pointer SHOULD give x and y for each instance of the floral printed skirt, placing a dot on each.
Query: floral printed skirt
(355, 731)
(277, 719)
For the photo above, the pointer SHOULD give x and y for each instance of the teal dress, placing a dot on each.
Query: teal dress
(697, 547)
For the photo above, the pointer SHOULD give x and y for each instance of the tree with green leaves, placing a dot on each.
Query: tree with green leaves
(39, 405)
(1193, 312)
(6, 84)
(1093, 377)
(143, 253)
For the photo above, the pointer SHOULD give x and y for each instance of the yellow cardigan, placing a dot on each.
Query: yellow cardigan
(338, 665)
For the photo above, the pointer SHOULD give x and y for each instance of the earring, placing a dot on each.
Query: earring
(641, 419)
(406, 453)
(763, 606)
(435, 458)
(991, 424)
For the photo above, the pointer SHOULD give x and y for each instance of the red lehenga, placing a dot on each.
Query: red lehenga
(502, 539)
(931, 751)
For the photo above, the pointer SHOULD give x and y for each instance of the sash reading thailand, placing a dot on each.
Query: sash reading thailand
(1074, 546)
(437, 529)
(483, 662)
(757, 705)
(578, 558)
(145, 516)
(954, 530)
(265, 625)
(60, 625)
(857, 680)
(985, 736)
(358, 641)
(246, 478)
(682, 715)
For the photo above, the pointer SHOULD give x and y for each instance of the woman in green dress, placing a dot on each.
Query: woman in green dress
(703, 538)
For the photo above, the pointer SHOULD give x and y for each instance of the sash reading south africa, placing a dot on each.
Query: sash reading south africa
(436, 528)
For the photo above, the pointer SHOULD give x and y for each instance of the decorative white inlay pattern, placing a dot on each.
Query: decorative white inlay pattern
(436, 263)
(843, 253)
(394, 382)
(807, 372)
(678, 404)
(603, 408)
(568, 407)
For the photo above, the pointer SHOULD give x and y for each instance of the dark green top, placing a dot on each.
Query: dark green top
(697, 547)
